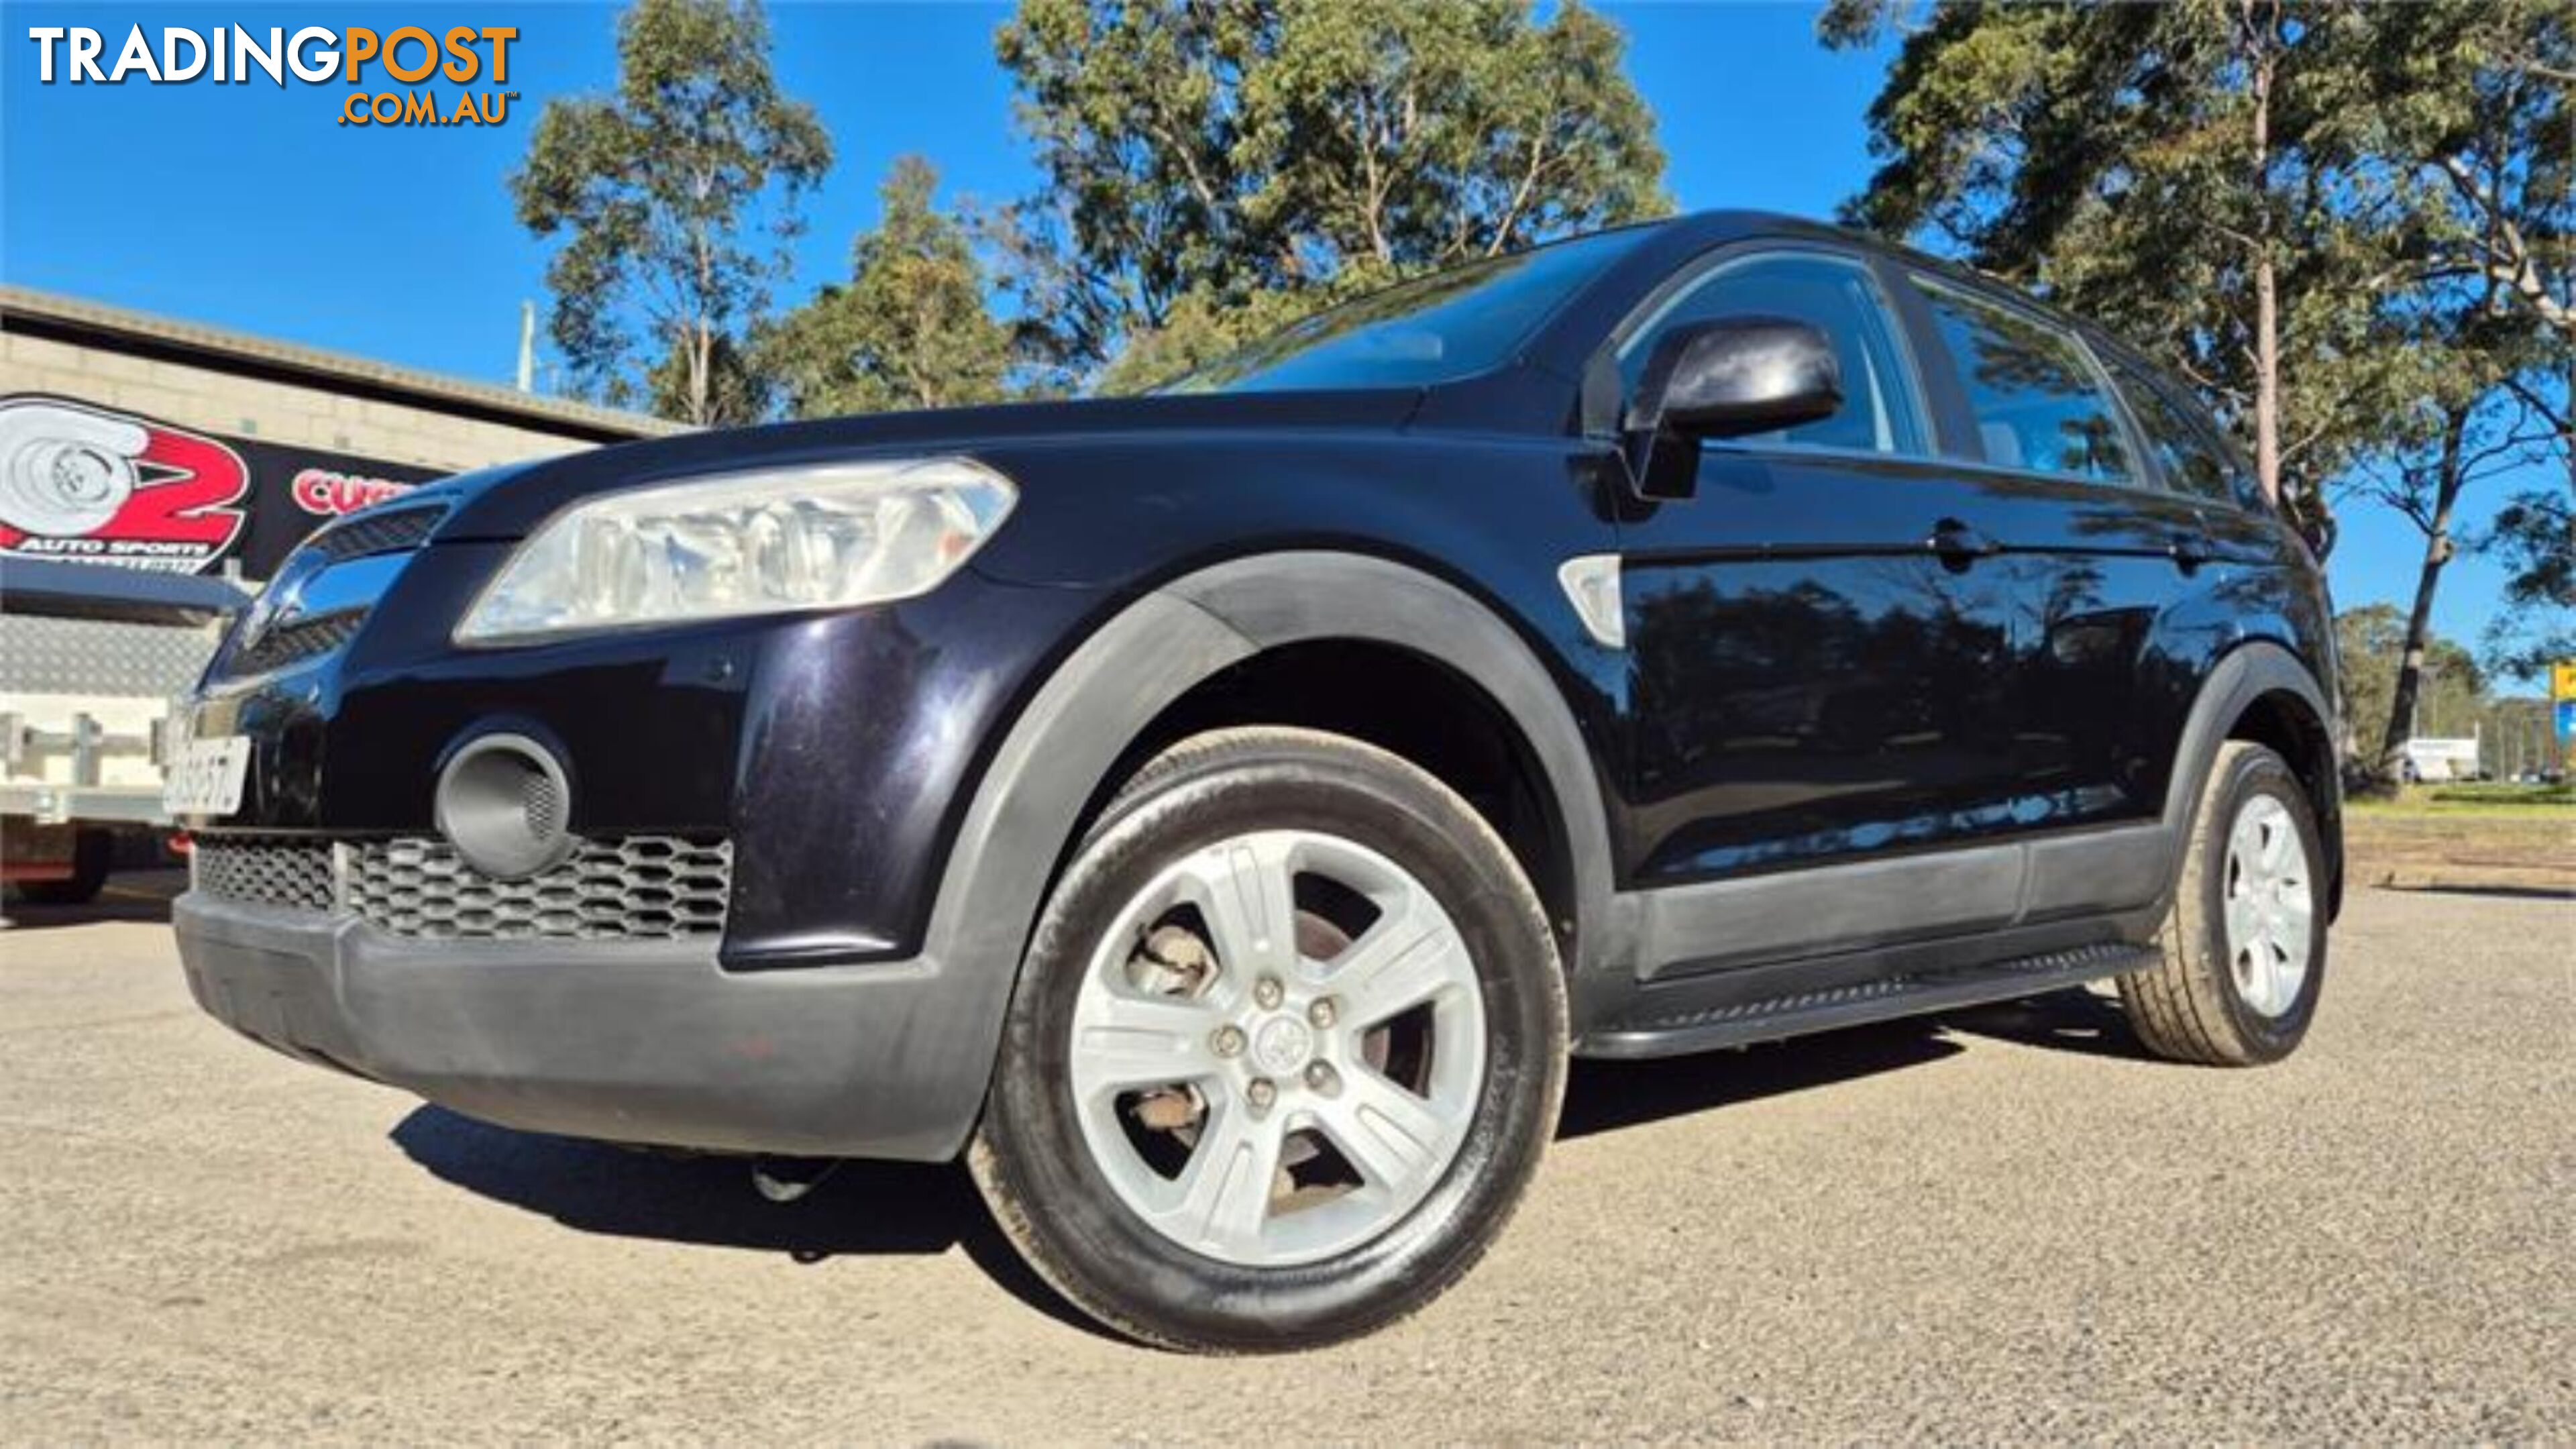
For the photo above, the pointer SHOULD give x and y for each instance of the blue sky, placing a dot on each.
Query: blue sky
(249, 207)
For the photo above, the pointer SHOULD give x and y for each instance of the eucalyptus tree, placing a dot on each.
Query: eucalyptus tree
(674, 196)
(1201, 156)
(911, 328)
(2163, 168)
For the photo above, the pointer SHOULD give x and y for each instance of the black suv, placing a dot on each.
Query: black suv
(1219, 814)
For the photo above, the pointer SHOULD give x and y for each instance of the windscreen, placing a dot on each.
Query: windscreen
(1450, 324)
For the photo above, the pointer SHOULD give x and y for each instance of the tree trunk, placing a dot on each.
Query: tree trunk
(702, 352)
(701, 364)
(2267, 298)
(2419, 623)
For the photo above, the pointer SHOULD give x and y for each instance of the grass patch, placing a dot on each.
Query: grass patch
(2472, 844)
(2471, 800)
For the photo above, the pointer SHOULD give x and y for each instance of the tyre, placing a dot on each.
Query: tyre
(2245, 944)
(1286, 1049)
(93, 851)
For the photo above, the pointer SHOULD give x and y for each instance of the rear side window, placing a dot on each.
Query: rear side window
(2038, 401)
(1837, 297)
(2184, 447)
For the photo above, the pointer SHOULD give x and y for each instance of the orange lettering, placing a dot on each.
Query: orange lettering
(358, 44)
(393, 54)
(466, 65)
(500, 36)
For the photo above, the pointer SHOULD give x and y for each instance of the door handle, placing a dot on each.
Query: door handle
(2190, 550)
(1958, 543)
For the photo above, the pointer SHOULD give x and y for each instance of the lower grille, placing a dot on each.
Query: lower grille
(280, 871)
(636, 887)
(639, 886)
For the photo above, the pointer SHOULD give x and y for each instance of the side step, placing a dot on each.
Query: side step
(1779, 1017)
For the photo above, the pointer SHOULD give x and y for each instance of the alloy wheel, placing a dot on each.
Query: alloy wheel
(1278, 1048)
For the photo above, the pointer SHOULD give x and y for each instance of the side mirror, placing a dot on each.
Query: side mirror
(1725, 378)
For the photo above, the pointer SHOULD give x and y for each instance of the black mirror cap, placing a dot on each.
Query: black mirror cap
(1731, 376)
(1724, 378)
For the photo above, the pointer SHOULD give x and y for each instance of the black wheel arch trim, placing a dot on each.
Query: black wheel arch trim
(1032, 797)
(2253, 669)
(1277, 599)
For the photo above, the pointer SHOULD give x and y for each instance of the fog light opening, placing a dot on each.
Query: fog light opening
(505, 805)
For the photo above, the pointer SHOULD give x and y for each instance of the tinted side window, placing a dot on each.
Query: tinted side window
(2037, 400)
(2182, 444)
(1837, 297)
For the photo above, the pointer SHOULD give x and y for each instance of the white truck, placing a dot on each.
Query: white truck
(91, 657)
(2429, 760)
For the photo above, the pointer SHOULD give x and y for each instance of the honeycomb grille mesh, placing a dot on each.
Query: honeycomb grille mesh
(389, 530)
(293, 643)
(265, 872)
(636, 887)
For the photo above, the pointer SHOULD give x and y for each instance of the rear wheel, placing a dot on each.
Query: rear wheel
(2245, 945)
(1285, 1052)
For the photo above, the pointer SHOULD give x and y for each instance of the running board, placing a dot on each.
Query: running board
(1745, 1023)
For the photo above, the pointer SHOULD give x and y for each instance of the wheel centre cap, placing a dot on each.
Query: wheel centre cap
(1281, 1045)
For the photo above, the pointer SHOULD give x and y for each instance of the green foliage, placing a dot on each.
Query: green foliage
(2460, 128)
(2534, 537)
(2370, 648)
(910, 329)
(2108, 156)
(661, 192)
(2461, 112)
(1200, 154)
(1199, 329)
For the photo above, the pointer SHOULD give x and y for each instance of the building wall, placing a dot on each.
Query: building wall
(278, 412)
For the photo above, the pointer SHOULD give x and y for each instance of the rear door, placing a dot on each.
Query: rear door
(2109, 572)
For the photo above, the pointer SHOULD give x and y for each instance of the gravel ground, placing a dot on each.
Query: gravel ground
(2002, 1226)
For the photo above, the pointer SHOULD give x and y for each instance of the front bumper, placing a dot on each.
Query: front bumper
(646, 1042)
(835, 752)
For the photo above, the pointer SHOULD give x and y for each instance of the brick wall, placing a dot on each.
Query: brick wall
(278, 412)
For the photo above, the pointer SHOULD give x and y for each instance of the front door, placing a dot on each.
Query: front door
(1823, 651)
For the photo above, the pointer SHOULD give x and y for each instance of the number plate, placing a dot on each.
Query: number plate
(206, 778)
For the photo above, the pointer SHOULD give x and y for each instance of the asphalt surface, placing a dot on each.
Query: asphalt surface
(2003, 1226)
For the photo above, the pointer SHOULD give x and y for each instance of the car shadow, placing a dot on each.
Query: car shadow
(868, 1209)
(1605, 1096)
(2079, 1020)
(905, 1209)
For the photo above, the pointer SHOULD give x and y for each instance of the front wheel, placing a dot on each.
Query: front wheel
(1286, 1049)
(2245, 944)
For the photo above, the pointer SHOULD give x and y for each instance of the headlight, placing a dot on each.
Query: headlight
(821, 537)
